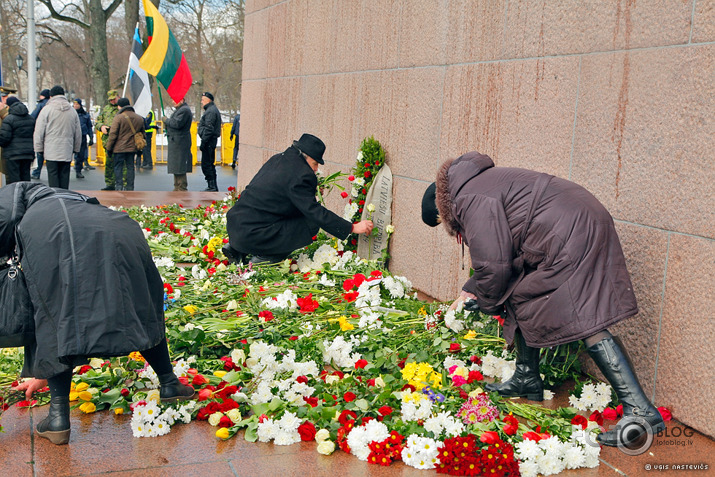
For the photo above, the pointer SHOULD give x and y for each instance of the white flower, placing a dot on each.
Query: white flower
(370, 207)
(267, 430)
(234, 415)
(286, 438)
(450, 319)
(548, 395)
(289, 421)
(322, 435)
(528, 468)
(198, 273)
(527, 449)
(326, 447)
(574, 457)
(390, 229)
(215, 418)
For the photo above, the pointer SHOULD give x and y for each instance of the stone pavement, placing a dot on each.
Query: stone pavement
(102, 443)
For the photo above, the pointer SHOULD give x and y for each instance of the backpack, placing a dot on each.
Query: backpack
(139, 137)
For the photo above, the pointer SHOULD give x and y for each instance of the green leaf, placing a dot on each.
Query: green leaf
(362, 404)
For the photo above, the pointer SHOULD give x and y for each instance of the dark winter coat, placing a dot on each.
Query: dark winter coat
(41, 104)
(85, 122)
(278, 211)
(236, 127)
(16, 134)
(121, 134)
(178, 132)
(566, 280)
(90, 274)
(209, 128)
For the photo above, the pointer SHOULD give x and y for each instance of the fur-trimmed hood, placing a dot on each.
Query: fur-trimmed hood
(453, 174)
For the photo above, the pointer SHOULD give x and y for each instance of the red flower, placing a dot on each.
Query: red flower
(367, 174)
(265, 316)
(293, 338)
(532, 436)
(597, 417)
(351, 177)
(313, 401)
(225, 422)
(512, 425)
(665, 413)
(26, 403)
(358, 278)
(307, 304)
(499, 319)
(474, 375)
(231, 189)
(84, 369)
(489, 437)
(349, 396)
(609, 414)
(619, 410)
(124, 392)
(454, 348)
(579, 420)
(346, 416)
(351, 296)
(385, 410)
(348, 285)
(204, 394)
(360, 363)
(367, 164)
(344, 195)
(307, 431)
(199, 380)
(361, 202)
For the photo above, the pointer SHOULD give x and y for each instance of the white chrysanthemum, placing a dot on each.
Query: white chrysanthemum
(325, 254)
(552, 446)
(369, 295)
(339, 352)
(304, 263)
(325, 281)
(348, 256)
(527, 449)
(420, 452)
(165, 262)
(549, 464)
(161, 427)
(350, 208)
(528, 468)
(574, 457)
(198, 273)
(394, 287)
(454, 324)
(548, 395)
(376, 431)
(450, 361)
(139, 429)
(286, 300)
(289, 421)
(267, 430)
(286, 438)
(357, 441)
(369, 320)
(261, 350)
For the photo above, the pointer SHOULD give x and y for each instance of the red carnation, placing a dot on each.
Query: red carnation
(225, 422)
(596, 417)
(360, 363)
(265, 316)
(512, 425)
(367, 174)
(454, 348)
(307, 431)
(349, 396)
(346, 416)
(312, 401)
(344, 195)
(489, 437)
(609, 414)
(579, 420)
(385, 410)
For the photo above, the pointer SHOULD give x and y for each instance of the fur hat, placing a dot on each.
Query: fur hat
(57, 90)
(312, 146)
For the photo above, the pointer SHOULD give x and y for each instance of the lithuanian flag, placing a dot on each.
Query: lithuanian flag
(163, 57)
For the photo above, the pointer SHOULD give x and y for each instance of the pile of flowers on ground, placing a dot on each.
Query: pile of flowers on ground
(330, 348)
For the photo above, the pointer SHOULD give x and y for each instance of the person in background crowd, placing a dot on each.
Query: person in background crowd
(209, 131)
(41, 102)
(4, 111)
(120, 143)
(235, 128)
(95, 289)
(16, 140)
(178, 133)
(102, 125)
(546, 256)
(149, 127)
(85, 122)
(278, 212)
(58, 135)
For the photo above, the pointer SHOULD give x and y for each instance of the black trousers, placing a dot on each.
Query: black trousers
(146, 153)
(58, 174)
(17, 170)
(120, 161)
(208, 159)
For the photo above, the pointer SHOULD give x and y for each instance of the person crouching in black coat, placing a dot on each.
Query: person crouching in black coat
(16, 141)
(85, 305)
(278, 212)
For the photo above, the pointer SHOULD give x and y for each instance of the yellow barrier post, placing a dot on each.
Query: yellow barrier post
(227, 144)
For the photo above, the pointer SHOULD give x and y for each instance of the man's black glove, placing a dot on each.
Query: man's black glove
(471, 305)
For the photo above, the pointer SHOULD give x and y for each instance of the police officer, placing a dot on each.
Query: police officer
(149, 127)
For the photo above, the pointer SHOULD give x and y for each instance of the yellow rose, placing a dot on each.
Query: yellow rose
(153, 395)
(476, 392)
(326, 447)
(222, 433)
(322, 435)
(118, 411)
(220, 373)
(88, 407)
(471, 334)
(81, 387)
(461, 371)
(191, 309)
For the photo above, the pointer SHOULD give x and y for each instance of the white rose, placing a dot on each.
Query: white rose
(379, 382)
(331, 379)
(96, 363)
(153, 395)
(371, 207)
(234, 415)
(326, 447)
(322, 435)
(215, 418)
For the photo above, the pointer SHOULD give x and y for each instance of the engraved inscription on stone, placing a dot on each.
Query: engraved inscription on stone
(380, 195)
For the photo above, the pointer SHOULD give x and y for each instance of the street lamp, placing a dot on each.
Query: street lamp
(19, 61)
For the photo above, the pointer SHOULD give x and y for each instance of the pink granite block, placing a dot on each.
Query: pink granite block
(475, 31)
(250, 159)
(252, 112)
(255, 46)
(281, 112)
(645, 136)
(310, 29)
(278, 41)
(520, 113)
(423, 32)
(538, 29)
(703, 21)
(685, 379)
(375, 107)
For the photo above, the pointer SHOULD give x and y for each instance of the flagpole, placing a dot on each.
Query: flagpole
(129, 67)
(161, 100)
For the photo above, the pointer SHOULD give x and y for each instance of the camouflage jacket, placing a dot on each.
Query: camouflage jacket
(106, 117)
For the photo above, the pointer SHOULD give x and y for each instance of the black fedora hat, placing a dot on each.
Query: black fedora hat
(311, 146)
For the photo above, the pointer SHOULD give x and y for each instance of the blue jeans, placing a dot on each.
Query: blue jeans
(122, 159)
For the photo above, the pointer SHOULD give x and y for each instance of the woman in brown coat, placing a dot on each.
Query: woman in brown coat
(545, 254)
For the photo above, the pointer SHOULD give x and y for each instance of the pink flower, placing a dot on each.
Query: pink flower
(665, 413)
(458, 381)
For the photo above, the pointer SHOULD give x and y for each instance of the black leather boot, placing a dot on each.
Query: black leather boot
(172, 389)
(611, 358)
(526, 381)
(233, 255)
(212, 187)
(56, 426)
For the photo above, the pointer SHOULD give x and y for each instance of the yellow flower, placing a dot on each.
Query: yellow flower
(471, 334)
(136, 356)
(461, 371)
(153, 395)
(191, 309)
(220, 373)
(214, 244)
(118, 411)
(74, 395)
(476, 392)
(379, 382)
(88, 407)
(81, 387)
(222, 433)
(345, 325)
(422, 311)
(85, 396)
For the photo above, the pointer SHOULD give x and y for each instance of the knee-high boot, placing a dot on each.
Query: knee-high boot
(526, 381)
(56, 426)
(611, 358)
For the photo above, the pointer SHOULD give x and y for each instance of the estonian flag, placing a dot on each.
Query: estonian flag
(138, 79)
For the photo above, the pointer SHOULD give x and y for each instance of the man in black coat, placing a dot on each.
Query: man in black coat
(16, 141)
(209, 131)
(278, 211)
